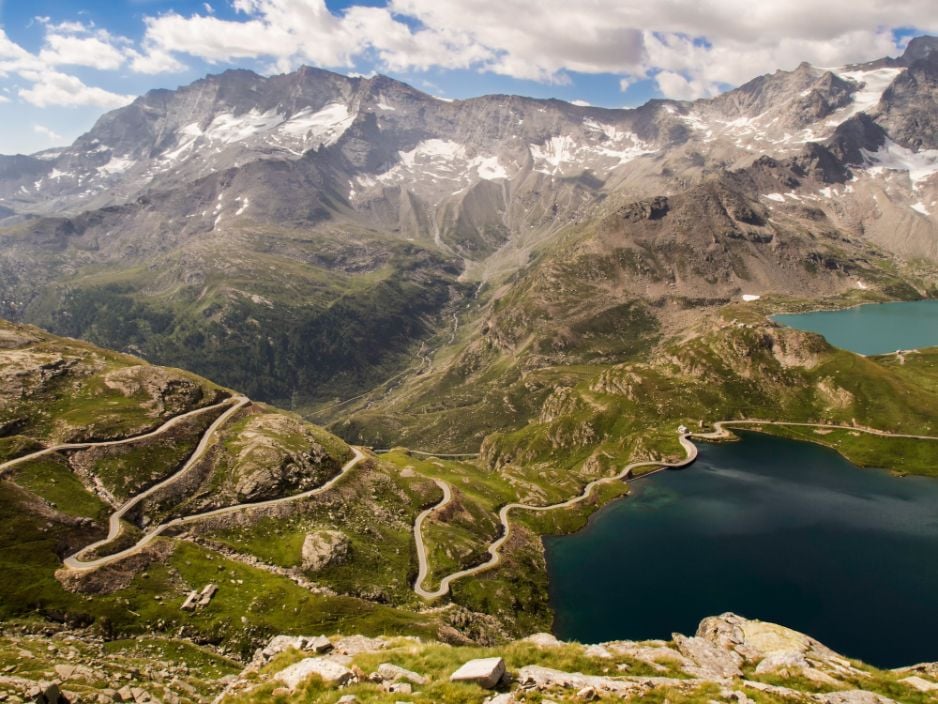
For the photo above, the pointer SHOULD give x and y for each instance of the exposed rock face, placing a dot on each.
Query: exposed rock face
(708, 659)
(324, 548)
(277, 453)
(167, 392)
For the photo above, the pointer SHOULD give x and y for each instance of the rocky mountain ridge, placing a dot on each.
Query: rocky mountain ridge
(338, 231)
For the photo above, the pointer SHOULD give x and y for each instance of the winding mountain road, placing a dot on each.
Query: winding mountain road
(720, 432)
(494, 550)
(168, 425)
(76, 564)
(234, 404)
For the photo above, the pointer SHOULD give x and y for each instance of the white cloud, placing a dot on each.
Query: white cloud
(69, 43)
(154, 61)
(674, 85)
(581, 103)
(94, 51)
(4, 99)
(51, 88)
(52, 136)
(690, 47)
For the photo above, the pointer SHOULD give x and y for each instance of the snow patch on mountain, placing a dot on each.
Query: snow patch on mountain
(489, 168)
(873, 84)
(298, 133)
(893, 157)
(433, 150)
(560, 151)
(325, 126)
(117, 165)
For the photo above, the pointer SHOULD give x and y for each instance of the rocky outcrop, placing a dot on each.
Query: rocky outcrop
(729, 659)
(276, 453)
(329, 671)
(323, 548)
(166, 392)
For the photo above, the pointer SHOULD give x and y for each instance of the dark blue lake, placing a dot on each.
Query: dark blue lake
(768, 528)
(877, 328)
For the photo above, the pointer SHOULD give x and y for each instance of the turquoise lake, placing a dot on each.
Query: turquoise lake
(877, 328)
(769, 528)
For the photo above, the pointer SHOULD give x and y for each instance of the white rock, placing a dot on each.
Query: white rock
(355, 645)
(505, 698)
(920, 683)
(323, 548)
(782, 660)
(543, 640)
(485, 672)
(854, 696)
(388, 671)
(597, 651)
(332, 673)
(547, 678)
(278, 644)
(709, 660)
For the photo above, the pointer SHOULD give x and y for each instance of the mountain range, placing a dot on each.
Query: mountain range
(312, 237)
(489, 316)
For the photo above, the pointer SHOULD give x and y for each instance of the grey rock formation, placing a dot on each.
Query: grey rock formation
(323, 548)
(485, 672)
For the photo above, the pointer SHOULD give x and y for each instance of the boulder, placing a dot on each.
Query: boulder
(393, 673)
(505, 698)
(355, 645)
(854, 696)
(278, 644)
(330, 672)
(542, 678)
(485, 672)
(399, 687)
(919, 683)
(543, 640)
(323, 548)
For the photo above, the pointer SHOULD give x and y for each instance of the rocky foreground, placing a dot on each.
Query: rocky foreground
(730, 659)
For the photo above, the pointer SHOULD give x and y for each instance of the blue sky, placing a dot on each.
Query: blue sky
(63, 63)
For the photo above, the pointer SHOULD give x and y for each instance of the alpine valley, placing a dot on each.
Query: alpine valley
(297, 371)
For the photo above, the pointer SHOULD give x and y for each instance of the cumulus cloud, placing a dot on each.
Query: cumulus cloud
(154, 61)
(674, 85)
(75, 44)
(52, 88)
(81, 51)
(690, 48)
(52, 136)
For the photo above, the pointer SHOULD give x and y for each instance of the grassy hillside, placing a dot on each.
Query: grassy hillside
(282, 315)
(54, 390)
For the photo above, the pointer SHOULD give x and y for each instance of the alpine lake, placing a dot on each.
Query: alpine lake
(769, 528)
